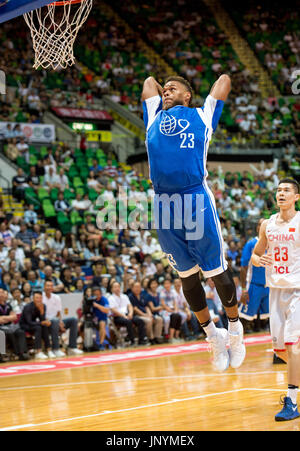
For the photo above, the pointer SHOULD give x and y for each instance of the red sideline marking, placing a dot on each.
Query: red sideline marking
(112, 357)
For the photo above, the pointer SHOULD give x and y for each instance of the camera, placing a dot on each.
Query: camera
(88, 313)
(87, 307)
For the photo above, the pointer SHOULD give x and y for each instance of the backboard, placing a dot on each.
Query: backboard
(9, 9)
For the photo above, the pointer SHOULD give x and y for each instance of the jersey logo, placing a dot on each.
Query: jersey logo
(171, 259)
(169, 125)
(281, 237)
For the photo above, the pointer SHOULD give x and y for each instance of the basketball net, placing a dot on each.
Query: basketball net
(54, 29)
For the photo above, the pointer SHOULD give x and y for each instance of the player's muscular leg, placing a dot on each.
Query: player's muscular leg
(226, 289)
(293, 362)
(195, 295)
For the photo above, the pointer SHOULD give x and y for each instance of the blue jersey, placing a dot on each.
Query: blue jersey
(177, 142)
(255, 274)
(101, 316)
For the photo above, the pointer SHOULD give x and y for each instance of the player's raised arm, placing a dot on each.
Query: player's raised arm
(221, 88)
(151, 88)
(259, 258)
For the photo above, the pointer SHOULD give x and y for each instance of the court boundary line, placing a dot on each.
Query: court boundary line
(131, 409)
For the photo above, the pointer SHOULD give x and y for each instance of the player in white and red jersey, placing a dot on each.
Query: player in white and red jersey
(280, 236)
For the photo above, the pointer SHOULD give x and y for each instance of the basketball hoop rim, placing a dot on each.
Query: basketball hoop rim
(67, 2)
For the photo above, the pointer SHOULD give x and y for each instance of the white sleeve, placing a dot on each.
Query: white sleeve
(211, 112)
(151, 107)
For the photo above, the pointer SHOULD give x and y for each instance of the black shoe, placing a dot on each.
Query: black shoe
(144, 341)
(24, 356)
(277, 360)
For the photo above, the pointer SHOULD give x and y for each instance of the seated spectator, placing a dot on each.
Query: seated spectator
(62, 204)
(17, 301)
(12, 151)
(101, 310)
(24, 237)
(57, 243)
(123, 314)
(95, 168)
(9, 133)
(62, 179)
(13, 333)
(33, 178)
(93, 183)
(51, 179)
(151, 246)
(153, 323)
(160, 274)
(58, 286)
(3, 252)
(153, 297)
(243, 212)
(33, 320)
(79, 204)
(19, 183)
(35, 282)
(30, 216)
(97, 273)
(91, 253)
(26, 290)
(23, 149)
(110, 170)
(233, 251)
(68, 280)
(54, 314)
(170, 314)
(79, 286)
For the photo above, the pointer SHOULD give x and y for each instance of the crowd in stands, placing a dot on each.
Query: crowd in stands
(57, 247)
(274, 35)
(187, 36)
(110, 61)
(135, 283)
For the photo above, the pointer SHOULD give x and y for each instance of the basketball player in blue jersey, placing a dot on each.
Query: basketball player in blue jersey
(177, 139)
(255, 296)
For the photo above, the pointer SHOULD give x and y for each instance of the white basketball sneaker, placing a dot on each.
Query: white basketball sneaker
(237, 348)
(218, 347)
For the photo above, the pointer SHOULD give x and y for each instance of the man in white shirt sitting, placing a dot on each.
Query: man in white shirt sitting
(54, 310)
(122, 310)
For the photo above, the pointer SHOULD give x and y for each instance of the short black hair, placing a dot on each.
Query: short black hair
(37, 292)
(292, 182)
(184, 82)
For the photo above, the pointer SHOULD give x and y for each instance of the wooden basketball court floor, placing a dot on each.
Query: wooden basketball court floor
(179, 392)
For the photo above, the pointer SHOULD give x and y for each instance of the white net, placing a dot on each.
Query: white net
(54, 29)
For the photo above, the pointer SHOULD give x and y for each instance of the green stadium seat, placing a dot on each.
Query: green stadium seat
(77, 182)
(54, 194)
(69, 195)
(75, 217)
(43, 194)
(93, 195)
(48, 208)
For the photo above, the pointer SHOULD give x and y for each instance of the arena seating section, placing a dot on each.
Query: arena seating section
(111, 62)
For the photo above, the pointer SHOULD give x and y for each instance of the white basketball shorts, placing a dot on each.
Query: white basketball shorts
(284, 317)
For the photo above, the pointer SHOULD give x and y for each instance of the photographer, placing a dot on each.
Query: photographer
(101, 310)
